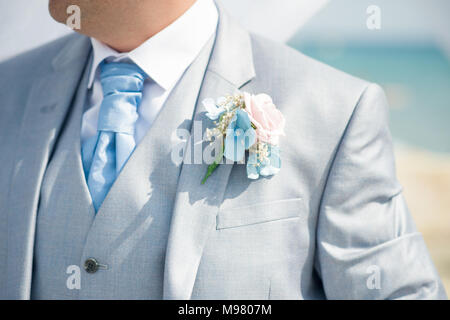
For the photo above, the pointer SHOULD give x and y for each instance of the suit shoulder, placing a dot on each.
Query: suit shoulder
(318, 100)
(35, 60)
(18, 74)
(296, 71)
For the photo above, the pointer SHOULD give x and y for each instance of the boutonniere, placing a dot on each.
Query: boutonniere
(246, 122)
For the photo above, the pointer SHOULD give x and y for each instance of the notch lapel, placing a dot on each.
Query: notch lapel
(196, 205)
(48, 104)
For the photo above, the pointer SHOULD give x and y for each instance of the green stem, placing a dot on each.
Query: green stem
(212, 167)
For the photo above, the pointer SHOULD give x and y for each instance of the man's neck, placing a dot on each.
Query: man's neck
(146, 25)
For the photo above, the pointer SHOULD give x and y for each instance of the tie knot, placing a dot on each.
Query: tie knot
(121, 77)
(122, 85)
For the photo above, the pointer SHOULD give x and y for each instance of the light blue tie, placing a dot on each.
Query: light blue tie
(105, 154)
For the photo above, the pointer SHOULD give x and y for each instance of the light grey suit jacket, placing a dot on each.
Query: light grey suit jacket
(332, 224)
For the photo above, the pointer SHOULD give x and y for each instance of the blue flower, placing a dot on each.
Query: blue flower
(213, 110)
(239, 136)
(270, 165)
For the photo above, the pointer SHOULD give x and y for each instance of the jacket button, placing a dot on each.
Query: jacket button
(91, 265)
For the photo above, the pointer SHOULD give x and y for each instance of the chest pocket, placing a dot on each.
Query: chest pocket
(259, 213)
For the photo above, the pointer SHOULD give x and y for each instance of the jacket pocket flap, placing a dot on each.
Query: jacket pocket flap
(259, 213)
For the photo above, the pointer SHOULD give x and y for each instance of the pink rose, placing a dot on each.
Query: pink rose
(269, 121)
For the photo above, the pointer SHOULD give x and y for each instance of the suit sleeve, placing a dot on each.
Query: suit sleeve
(368, 246)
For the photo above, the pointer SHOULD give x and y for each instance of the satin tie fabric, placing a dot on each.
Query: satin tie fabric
(105, 154)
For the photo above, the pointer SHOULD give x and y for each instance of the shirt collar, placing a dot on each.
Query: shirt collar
(166, 55)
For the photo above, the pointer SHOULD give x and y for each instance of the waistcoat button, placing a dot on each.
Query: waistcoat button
(91, 265)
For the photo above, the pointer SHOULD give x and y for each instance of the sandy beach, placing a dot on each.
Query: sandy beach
(425, 177)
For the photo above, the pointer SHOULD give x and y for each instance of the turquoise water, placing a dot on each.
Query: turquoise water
(416, 80)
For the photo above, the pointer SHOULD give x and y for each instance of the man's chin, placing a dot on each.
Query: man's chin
(57, 10)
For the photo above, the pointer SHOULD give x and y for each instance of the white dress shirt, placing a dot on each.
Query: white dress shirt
(164, 57)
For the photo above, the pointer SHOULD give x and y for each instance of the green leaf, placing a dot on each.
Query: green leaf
(212, 167)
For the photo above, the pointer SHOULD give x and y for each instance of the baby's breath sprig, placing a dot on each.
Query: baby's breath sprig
(261, 150)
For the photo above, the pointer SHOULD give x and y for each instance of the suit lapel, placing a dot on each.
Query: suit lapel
(48, 104)
(196, 205)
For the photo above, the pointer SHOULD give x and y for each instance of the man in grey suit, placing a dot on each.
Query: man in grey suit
(332, 224)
